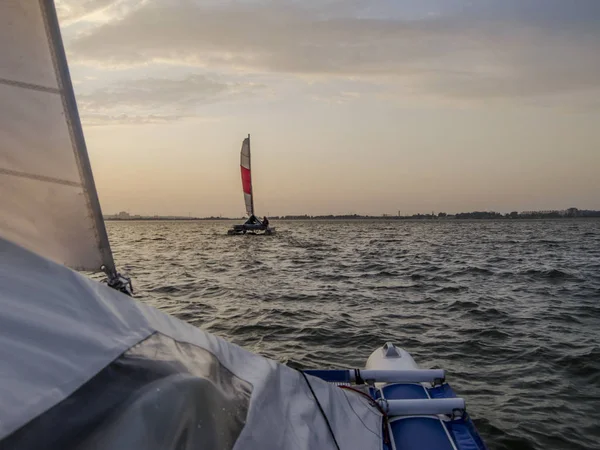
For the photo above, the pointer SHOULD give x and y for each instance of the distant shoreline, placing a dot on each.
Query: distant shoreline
(442, 217)
(147, 218)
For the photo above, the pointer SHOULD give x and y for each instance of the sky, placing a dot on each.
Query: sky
(353, 106)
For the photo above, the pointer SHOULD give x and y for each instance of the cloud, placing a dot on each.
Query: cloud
(556, 14)
(281, 39)
(95, 11)
(150, 93)
(96, 120)
(153, 100)
(68, 10)
(475, 50)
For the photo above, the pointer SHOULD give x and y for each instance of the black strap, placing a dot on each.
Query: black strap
(357, 378)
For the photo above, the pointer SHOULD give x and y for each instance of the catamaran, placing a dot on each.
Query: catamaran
(85, 366)
(253, 224)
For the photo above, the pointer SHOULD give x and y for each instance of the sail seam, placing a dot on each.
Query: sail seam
(30, 86)
(32, 176)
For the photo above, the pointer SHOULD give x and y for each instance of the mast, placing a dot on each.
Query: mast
(77, 137)
(250, 168)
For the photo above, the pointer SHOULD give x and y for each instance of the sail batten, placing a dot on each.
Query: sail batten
(40, 178)
(48, 199)
(33, 87)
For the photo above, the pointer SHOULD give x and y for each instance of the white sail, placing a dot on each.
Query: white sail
(246, 169)
(48, 201)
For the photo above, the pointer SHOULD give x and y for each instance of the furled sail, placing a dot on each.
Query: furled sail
(48, 200)
(247, 176)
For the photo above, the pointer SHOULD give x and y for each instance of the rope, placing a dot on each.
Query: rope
(386, 431)
(322, 411)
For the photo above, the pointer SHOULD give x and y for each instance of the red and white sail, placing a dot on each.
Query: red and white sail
(247, 176)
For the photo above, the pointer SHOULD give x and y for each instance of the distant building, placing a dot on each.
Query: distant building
(122, 215)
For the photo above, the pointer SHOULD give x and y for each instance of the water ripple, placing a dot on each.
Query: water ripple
(511, 309)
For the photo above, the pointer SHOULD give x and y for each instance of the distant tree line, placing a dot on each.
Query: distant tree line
(474, 215)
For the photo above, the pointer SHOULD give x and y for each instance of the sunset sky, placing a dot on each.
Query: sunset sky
(354, 106)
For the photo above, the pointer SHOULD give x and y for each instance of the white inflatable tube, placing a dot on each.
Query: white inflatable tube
(425, 407)
(400, 376)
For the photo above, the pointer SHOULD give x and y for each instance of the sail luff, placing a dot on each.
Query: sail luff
(76, 131)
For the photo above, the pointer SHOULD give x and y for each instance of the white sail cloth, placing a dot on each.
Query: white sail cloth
(48, 201)
(72, 349)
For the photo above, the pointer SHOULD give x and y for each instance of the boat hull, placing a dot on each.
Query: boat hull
(421, 432)
(250, 229)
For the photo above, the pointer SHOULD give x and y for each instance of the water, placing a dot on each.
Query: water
(510, 308)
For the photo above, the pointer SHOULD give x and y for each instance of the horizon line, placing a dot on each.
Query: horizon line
(567, 213)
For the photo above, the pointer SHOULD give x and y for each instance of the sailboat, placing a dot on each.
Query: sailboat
(253, 224)
(85, 366)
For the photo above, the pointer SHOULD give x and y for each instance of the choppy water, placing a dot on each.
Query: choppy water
(510, 309)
